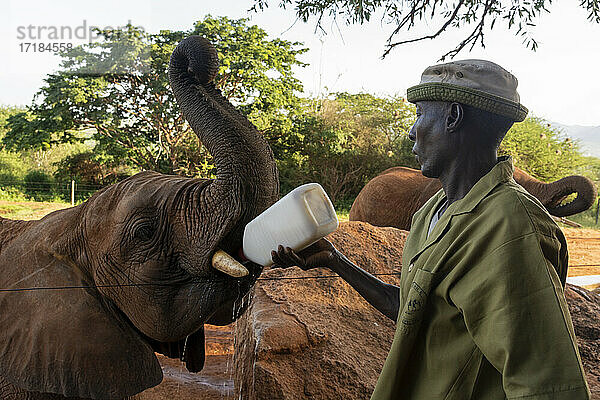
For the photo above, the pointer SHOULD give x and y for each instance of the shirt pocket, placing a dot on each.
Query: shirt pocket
(411, 316)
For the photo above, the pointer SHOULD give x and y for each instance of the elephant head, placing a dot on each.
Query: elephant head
(552, 194)
(129, 271)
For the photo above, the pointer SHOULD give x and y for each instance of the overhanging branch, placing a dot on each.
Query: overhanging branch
(390, 46)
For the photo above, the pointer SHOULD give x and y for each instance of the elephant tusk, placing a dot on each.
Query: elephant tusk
(223, 262)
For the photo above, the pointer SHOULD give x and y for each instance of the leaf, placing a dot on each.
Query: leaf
(117, 88)
(402, 15)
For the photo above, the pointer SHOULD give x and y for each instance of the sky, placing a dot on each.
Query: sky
(558, 82)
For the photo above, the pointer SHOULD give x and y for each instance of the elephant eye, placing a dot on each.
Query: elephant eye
(144, 231)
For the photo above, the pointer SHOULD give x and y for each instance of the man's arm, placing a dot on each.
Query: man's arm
(383, 296)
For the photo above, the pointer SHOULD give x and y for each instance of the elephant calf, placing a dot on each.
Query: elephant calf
(130, 271)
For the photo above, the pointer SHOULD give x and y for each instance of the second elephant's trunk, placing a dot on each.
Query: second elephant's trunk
(552, 194)
(586, 195)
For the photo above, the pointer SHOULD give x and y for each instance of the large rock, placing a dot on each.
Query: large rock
(318, 339)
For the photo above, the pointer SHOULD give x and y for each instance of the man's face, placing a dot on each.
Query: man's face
(433, 147)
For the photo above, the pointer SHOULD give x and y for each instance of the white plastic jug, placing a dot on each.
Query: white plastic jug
(297, 220)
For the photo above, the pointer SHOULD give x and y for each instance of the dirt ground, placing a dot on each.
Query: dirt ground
(28, 210)
(584, 251)
(215, 382)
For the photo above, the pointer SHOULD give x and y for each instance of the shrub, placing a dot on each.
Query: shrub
(12, 168)
(10, 193)
(541, 150)
(39, 186)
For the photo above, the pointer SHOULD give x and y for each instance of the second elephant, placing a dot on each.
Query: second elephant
(392, 197)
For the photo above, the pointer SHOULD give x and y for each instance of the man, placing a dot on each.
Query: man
(480, 309)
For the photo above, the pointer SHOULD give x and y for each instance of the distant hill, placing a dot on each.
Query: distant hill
(588, 137)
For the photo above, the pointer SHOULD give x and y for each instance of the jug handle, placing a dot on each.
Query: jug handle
(308, 208)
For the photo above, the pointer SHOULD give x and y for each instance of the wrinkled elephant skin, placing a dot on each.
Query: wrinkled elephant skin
(134, 261)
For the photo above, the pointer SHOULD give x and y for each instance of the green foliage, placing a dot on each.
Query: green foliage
(345, 141)
(12, 167)
(26, 133)
(115, 93)
(548, 155)
(39, 186)
(47, 160)
(5, 113)
(541, 150)
(90, 171)
(590, 167)
(587, 219)
(29, 174)
(110, 105)
(16, 167)
(254, 73)
(10, 193)
(479, 16)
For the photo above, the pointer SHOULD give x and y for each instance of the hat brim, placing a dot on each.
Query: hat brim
(439, 91)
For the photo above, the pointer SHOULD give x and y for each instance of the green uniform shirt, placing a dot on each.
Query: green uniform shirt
(482, 310)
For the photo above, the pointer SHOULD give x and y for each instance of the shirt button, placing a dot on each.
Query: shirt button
(410, 267)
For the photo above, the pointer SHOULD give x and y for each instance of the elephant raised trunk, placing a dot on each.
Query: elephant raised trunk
(246, 179)
(552, 194)
(241, 154)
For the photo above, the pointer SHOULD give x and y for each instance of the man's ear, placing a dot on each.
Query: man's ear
(455, 117)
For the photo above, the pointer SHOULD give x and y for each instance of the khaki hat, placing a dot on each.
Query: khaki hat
(478, 83)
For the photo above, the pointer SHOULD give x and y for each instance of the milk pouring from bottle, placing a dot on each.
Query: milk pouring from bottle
(297, 220)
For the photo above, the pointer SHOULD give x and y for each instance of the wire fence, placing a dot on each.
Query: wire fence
(49, 185)
(278, 278)
(68, 190)
(281, 278)
(78, 192)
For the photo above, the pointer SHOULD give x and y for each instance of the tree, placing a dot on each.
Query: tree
(115, 92)
(5, 113)
(344, 141)
(482, 15)
(11, 165)
(541, 150)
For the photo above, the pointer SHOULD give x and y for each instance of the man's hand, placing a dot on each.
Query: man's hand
(321, 254)
(384, 297)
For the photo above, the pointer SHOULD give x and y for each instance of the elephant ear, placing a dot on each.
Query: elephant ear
(66, 341)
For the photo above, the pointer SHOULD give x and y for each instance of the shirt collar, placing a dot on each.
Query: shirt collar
(501, 172)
